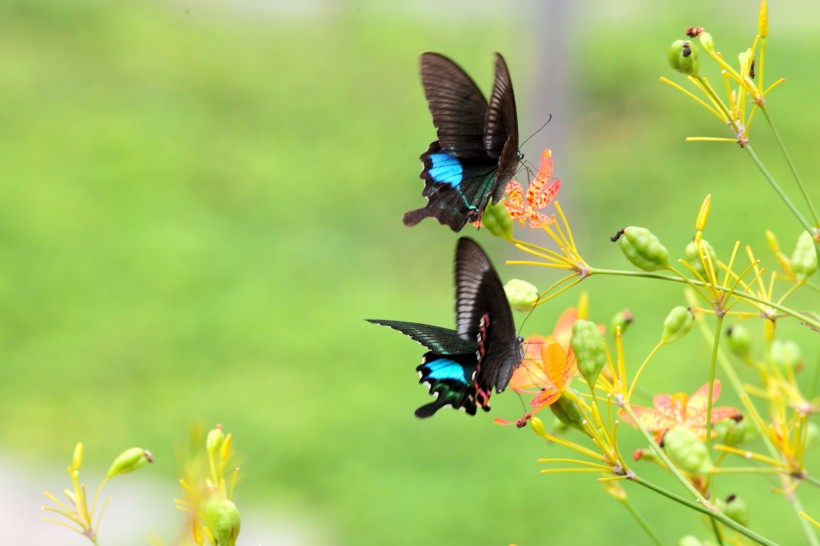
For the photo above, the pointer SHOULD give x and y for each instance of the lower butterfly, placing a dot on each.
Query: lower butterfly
(463, 366)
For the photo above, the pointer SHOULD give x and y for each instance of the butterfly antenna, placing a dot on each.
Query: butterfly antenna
(536, 132)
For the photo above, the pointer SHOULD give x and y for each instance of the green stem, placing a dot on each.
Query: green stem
(712, 366)
(791, 165)
(785, 198)
(809, 320)
(642, 522)
(700, 508)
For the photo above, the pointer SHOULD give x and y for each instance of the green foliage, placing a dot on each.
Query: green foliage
(198, 207)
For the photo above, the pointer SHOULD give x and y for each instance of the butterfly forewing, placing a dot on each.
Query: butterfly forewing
(435, 338)
(456, 104)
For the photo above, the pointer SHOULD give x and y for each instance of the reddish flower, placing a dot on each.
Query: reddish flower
(547, 368)
(540, 193)
(679, 409)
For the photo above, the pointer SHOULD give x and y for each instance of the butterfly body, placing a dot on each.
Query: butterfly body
(463, 366)
(476, 153)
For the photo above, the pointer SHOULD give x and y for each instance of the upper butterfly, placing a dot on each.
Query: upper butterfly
(464, 365)
(476, 153)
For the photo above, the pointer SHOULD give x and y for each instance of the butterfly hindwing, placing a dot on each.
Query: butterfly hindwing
(476, 153)
(483, 313)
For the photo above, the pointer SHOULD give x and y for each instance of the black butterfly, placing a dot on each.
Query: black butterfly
(464, 365)
(476, 153)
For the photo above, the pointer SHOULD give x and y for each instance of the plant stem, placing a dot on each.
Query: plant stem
(700, 508)
(642, 522)
(791, 165)
(712, 366)
(785, 198)
(811, 321)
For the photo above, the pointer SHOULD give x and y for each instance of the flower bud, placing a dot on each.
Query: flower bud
(522, 295)
(693, 256)
(677, 324)
(785, 354)
(77, 459)
(568, 413)
(707, 42)
(643, 249)
(705, 207)
(129, 460)
(214, 441)
(622, 320)
(735, 508)
(739, 341)
(538, 427)
(804, 257)
(683, 57)
(763, 19)
(588, 346)
(222, 520)
(498, 221)
(734, 432)
(689, 540)
(687, 450)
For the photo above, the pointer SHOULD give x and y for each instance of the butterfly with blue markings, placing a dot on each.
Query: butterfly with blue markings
(463, 366)
(476, 153)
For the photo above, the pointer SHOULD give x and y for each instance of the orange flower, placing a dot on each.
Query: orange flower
(547, 368)
(679, 409)
(540, 193)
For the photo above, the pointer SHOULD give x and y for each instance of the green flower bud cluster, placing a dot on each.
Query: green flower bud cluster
(129, 460)
(622, 320)
(735, 508)
(522, 295)
(804, 257)
(588, 346)
(785, 354)
(221, 519)
(683, 57)
(692, 256)
(643, 249)
(739, 341)
(687, 450)
(677, 324)
(568, 413)
(498, 221)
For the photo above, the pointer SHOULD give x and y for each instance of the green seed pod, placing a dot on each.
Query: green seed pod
(522, 295)
(129, 460)
(221, 518)
(734, 432)
(498, 221)
(214, 441)
(707, 42)
(622, 320)
(804, 257)
(739, 341)
(687, 450)
(677, 324)
(735, 508)
(692, 256)
(683, 57)
(785, 354)
(589, 349)
(643, 249)
(568, 413)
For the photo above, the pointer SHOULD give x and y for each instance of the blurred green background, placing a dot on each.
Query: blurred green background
(200, 202)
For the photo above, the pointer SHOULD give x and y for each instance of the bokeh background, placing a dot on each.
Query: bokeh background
(201, 200)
